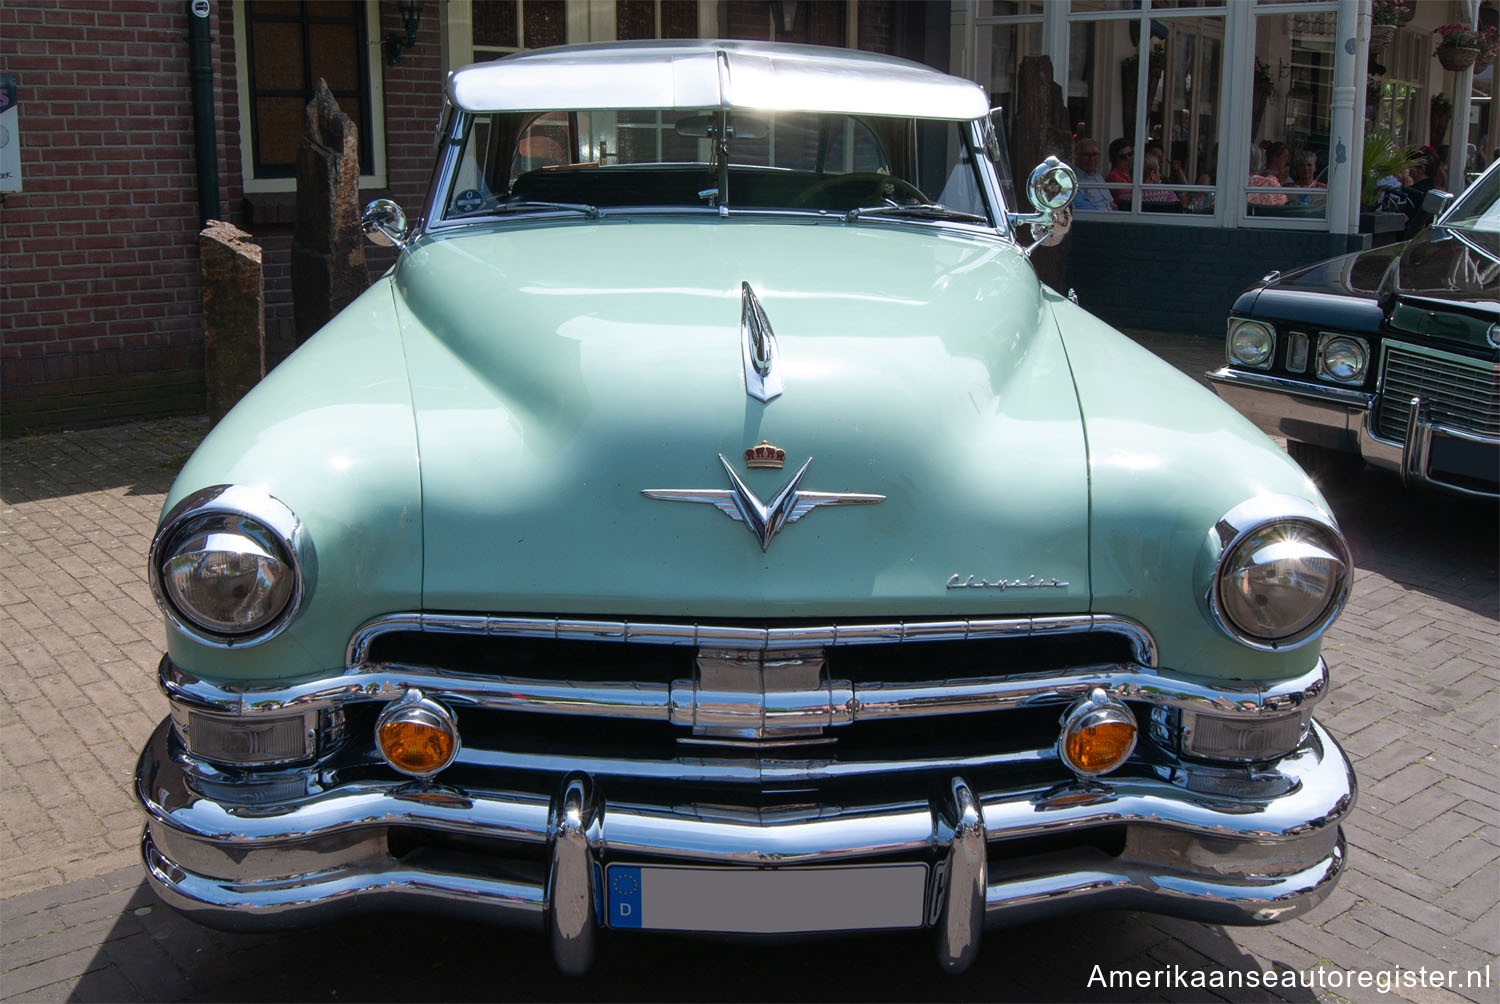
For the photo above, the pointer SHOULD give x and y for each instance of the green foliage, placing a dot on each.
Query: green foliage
(1382, 157)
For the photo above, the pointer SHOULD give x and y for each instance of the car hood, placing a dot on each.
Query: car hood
(559, 371)
(1440, 269)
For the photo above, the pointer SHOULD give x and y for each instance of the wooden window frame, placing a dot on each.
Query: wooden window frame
(373, 68)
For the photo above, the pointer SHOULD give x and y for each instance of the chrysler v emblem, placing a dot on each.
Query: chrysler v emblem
(764, 519)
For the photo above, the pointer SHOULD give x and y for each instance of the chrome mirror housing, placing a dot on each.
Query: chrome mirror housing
(384, 224)
(1051, 189)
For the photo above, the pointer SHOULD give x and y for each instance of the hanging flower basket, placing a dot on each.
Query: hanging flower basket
(1380, 37)
(1455, 58)
(1404, 13)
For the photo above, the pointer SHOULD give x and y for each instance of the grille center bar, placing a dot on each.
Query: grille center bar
(761, 695)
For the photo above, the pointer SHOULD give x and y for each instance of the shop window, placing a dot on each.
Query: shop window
(1006, 31)
(283, 47)
(1291, 115)
(636, 19)
(1155, 127)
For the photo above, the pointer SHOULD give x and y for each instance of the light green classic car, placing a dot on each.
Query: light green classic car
(463, 613)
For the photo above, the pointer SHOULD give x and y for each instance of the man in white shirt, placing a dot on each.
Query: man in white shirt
(1093, 190)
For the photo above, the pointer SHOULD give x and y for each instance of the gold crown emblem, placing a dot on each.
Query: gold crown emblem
(765, 455)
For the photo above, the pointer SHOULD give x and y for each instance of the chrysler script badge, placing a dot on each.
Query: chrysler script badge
(764, 519)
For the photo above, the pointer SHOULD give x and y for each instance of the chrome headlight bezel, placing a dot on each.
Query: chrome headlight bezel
(279, 528)
(1248, 520)
(1361, 350)
(1257, 361)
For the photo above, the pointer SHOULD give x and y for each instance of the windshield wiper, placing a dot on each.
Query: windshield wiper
(592, 212)
(921, 211)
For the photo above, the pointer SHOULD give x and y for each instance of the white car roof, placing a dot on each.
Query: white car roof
(759, 76)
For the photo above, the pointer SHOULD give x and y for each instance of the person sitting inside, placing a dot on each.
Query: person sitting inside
(1261, 178)
(1093, 193)
(1120, 154)
(1156, 200)
(1306, 176)
(1409, 198)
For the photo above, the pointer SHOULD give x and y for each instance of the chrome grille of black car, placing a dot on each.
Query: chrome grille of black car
(1462, 393)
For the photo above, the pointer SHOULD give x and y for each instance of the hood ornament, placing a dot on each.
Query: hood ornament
(763, 519)
(758, 347)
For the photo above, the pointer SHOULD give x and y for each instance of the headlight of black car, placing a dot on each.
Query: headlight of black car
(1250, 343)
(1283, 573)
(225, 565)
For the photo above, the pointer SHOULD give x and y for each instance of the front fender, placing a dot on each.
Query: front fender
(330, 433)
(1167, 459)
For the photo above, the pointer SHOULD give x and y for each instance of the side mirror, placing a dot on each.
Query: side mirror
(1051, 189)
(384, 224)
(1436, 201)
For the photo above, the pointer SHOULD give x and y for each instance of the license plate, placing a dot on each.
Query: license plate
(766, 900)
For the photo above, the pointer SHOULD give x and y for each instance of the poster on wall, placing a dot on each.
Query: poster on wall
(10, 136)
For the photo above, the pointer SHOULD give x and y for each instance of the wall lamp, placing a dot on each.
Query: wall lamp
(411, 20)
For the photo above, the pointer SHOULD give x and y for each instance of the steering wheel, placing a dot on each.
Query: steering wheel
(873, 188)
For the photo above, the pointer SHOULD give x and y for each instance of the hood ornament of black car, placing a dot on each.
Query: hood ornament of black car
(764, 519)
(758, 347)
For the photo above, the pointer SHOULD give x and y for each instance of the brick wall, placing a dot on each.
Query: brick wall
(98, 257)
(1172, 278)
(101, 300)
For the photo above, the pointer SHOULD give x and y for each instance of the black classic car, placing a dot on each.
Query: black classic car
(1391, 354)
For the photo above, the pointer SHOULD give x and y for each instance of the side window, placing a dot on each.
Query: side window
(282, 50)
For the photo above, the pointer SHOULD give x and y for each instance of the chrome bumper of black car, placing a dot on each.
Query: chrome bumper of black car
(1338, 418)
(1236, 846)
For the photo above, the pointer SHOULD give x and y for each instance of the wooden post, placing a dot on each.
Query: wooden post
(234, 315)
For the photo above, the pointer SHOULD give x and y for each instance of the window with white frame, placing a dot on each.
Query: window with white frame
(1156, 128)
(1291, 113)
(1394, 98)
(281, 50)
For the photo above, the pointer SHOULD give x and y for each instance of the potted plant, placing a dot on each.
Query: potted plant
(1458, 46)
(1386, 18)
(1383, 157)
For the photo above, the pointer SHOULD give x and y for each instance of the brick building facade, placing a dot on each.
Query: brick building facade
(101, 299)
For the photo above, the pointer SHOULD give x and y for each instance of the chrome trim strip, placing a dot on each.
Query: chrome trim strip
(1323, 793)
(750, 638)
(1296, 388)
(662, 702)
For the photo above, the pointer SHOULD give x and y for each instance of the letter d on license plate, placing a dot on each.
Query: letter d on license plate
(766, 901)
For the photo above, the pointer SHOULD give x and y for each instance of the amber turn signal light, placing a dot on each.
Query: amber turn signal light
(1098, 734)
(416, 736)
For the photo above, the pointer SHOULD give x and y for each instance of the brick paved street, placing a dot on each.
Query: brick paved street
(1416, 701)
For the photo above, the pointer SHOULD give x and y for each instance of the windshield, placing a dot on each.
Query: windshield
(1478, 209)
(711, 160)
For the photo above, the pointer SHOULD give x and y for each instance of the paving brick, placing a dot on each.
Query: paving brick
(23, 980)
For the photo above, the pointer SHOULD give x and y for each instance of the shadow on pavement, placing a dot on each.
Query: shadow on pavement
(142, 457)
(1435, 543)
(155, 954)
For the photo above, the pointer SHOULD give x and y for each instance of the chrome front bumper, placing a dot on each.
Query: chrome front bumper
(1222, 846)
(1338, 418)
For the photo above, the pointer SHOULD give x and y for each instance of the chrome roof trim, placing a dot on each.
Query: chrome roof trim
(752, 639)
(691, 74)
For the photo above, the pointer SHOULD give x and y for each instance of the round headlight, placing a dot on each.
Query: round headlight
(1343, 359)
(1251, 343)
(224, 566)
(1280, 580)
(225, 574)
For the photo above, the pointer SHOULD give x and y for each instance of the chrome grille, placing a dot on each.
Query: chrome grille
(1462, 393)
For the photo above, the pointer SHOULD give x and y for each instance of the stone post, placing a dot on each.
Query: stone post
(328, 255)
(1041, 129)
(234, 314)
